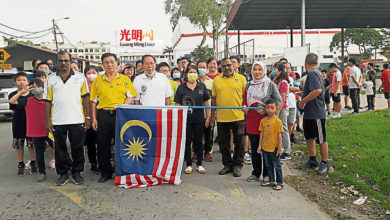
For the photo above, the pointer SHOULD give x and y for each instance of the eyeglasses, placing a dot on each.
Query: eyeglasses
(63, 61)
(164, 71)
(227, 66)
(107, 63)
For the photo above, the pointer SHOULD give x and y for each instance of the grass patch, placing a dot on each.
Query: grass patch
(359, 147)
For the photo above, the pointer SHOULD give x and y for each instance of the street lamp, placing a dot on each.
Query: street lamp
(54, 30)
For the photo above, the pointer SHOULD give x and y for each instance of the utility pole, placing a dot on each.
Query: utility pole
(227, 31)
(55, 34)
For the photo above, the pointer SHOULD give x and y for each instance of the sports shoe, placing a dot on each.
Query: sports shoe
(237, 171)
(201, 169)
(94, 168)
(298, 129)
(336, 115)
(310, 164)
(41, 177)
(21, 169)
(252, 178)
(324, 168)
(34, 170)
(225, 170)
(293, 139)
(28, 166)
(64, 178)
(287, 156)
(77, 178)
(188, 170)
(247, 159)
(283, 157)
(52, 164)
(208, 158)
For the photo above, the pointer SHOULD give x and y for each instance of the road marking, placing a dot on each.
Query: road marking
(235, 189)
(88, 199)
(199, 192)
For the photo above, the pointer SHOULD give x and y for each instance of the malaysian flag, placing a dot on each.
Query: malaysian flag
(150, 144)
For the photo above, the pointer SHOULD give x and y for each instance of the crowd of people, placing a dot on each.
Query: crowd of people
(268, 107)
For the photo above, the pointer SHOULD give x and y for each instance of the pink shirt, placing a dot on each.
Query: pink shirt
(336, 78)
(283, 87)
(36, 121)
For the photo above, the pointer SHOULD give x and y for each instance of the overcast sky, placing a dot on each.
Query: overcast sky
(89, 20)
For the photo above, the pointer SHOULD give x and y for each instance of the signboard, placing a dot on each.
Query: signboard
(136, 38)
(4, 55)
(296, 55)
(5, 66)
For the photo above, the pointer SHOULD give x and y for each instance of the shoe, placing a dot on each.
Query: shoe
(21, 168)
(293, 139)
(34, 170)
(247, 159)
(299, 129)
(103, 179)
(78, 179)
(201, 169)
(336, 115)
(237, 171)
(324, 168)
(28, 166)
(64, 178)
(355, 113)
(287, 156)
(252, 178)
(208, 158)
(42, 177)
(310, 164)
(360, 107)
(194, 158)
(225, 170)
(52, 164)
(188, 170)
(283, 157)
(94, 168)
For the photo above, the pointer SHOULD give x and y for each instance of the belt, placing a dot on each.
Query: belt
(111, 111)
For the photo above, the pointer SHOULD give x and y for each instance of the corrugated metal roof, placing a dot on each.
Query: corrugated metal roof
(286, 14)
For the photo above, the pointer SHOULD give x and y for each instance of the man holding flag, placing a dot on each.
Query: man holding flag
(108, 90)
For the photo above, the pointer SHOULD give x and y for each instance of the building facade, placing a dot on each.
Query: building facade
(87, 50)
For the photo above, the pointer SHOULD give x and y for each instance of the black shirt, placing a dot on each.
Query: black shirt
(19, 120)
(326, 84)
(187, 97)
(373, 74)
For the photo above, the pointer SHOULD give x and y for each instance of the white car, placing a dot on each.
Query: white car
(6, 87)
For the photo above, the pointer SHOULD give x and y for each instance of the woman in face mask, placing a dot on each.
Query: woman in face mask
(175, 74)
(91, 72)
(194, 93)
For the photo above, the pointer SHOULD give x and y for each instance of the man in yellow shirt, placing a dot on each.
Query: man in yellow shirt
(228, 90)
(108, 90)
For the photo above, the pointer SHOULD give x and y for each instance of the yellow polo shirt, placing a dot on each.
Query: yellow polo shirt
(229, 93)
(109, 94)
(270, 129)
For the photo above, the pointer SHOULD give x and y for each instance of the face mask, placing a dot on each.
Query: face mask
(150, 75)
(273, 74)
(176, 75)
(91, 77)
(192, 77)
(46, 71)
(202, 71)
(37, 91)
(51, 66)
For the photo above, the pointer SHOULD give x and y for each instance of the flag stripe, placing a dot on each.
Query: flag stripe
(178, 145)
(168, 143)
(163, 142)
(158, 142)
(128, 180)
(183, 124)
(173, 145)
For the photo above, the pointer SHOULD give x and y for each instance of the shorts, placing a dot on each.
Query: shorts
(327, 98)
(346, 90)
(336, 98)
(18, 143)
(292, 116)
(387, 95)
(315, 129)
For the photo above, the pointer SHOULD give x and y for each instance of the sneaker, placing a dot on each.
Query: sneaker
(324, 168)
(208, 158)
(336, 115)
(52, 164)
(64, 178)
(77, 178)
(293, 139)
(225, 170)
(299, 129)
(94, 168)
(310, 164)
(34, 170)
(42, 177)
(247, 159)
(28, 165)
(287, 156)
(21, 168)
(194, 158)
(252, 178)
(283, 157)
(201, 169)
(237, 171)
(188, 170)
(355, 113)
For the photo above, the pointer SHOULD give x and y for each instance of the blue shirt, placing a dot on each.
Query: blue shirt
(314, 109)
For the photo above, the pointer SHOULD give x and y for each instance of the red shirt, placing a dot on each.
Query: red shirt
(293, 75)
(252, 118)
(36, 121)
(212, 76)
(386, 80)
(283, 87)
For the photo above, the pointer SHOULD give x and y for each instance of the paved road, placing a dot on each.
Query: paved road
(208, 196)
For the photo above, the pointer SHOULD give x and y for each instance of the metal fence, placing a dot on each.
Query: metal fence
(245, 50)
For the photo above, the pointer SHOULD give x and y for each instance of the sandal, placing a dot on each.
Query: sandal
(268, 183)
(278, 187)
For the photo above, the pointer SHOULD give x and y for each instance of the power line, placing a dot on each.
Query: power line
(30, 32)
(24, 36)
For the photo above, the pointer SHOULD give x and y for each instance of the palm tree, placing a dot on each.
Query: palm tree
(169, 51)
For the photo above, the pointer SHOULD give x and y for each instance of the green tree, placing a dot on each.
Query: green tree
(202, 53)
(386, 42)
(202, 14)
(169, 51)
(367, 40)
(14, 42)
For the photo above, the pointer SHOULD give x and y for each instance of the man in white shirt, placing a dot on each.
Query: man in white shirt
(152, 89)
(354, 85)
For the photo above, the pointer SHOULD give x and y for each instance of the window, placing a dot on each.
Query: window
(96, 50)
(86, 57)
(70, 51)
(97, 57)
(81, 50)
(104, 50)
(82, 56)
